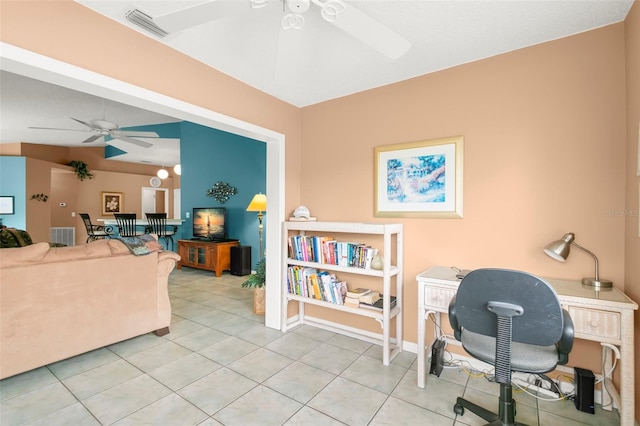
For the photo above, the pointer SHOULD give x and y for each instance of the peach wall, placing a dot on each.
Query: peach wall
(64, 190)
(544, 152)
(38, 212)
(632, 233)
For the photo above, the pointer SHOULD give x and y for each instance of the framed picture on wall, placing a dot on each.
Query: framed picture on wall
(6, 204)
(419, 179)
(112, 202)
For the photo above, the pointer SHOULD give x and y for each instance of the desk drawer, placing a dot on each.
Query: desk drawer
(595, 322)
(438, 297)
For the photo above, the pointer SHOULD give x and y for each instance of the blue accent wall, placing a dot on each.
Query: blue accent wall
(13, 181)
(209, 155)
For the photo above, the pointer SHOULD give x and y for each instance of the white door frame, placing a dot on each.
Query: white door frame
(30, 64)
(146, 190)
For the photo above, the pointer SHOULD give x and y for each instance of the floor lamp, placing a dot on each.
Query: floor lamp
(259, 204)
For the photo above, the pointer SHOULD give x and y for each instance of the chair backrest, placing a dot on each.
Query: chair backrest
(126, 224)
(87, 222)
(511, 306)
(157, 223)
(541, 322)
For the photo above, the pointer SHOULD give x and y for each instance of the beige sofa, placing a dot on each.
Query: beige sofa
(57, 302)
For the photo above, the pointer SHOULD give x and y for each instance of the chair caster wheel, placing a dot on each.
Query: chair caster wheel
(458, 409)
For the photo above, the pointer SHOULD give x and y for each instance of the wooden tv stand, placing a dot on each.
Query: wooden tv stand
(210, 255)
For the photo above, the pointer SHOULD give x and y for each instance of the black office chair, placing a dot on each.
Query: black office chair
(127, 226)
(95, 232)
(158, 225)
(514, 321)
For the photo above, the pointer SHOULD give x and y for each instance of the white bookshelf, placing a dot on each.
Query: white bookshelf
(391, 277)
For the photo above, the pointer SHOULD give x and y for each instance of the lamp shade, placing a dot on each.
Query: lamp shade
(177, 169)
(258, 203)
(560, 249)
(163, 173)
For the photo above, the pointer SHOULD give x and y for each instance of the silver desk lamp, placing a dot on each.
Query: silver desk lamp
(559, 250)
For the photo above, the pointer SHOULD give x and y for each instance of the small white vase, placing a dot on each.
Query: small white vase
(377, 262)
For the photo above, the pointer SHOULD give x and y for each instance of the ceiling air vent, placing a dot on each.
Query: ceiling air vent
(141, 19)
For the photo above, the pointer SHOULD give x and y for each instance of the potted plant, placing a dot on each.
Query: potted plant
(257, 282)
(81, 168)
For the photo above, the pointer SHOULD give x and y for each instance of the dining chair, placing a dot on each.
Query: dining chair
(158, 225)
(95, 232)
(127, 226)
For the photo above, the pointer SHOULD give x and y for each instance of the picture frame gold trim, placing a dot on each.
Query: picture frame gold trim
(111, 203)
(420, 179)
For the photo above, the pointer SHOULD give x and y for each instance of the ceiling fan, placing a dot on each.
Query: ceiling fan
(101, 127)
(337, 12)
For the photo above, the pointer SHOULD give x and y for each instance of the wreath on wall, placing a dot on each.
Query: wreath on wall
(221, 191)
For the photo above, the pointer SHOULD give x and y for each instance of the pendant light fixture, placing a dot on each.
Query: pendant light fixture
(163, 173)
(177, 169)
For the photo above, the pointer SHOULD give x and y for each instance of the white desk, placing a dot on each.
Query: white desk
(605, 316)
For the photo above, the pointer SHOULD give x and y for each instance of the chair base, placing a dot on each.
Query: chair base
(507, 409)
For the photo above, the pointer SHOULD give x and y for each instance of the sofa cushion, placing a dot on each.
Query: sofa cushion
(33, 253)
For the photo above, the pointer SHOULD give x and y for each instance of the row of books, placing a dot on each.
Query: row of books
(320, 285)
(324, 249)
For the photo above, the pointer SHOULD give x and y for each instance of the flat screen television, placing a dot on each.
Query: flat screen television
(210, 223)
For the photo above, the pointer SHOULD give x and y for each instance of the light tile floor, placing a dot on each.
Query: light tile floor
(220, 365)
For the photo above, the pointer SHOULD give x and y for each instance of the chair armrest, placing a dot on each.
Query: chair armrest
(566, 341)
(453, 320)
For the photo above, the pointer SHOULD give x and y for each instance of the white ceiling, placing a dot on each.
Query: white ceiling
(322, 62)
(325, 62)
(25, 102)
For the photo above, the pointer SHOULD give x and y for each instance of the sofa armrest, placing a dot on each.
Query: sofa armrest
(166, 262)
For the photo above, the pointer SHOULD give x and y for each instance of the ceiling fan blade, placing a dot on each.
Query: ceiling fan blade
(199, 14)
(366, 29)
(290, 44)
(55, 128)
(115, 133)
(82, 122)
(131, 140)
(92, 138)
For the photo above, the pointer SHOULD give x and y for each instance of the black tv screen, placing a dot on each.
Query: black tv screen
(210, 223)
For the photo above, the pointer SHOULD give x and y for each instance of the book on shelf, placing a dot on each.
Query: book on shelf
(370, 298)
(357, 292)
(379, 303)
(354, 302)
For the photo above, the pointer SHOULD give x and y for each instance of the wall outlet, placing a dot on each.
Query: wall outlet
(187, 215)
(73, 214)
